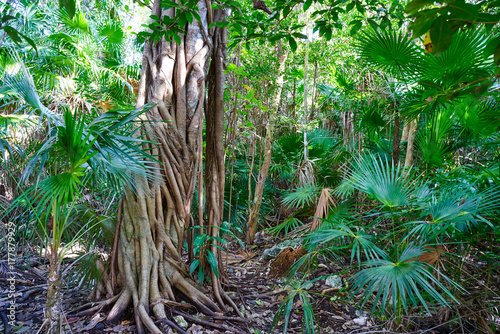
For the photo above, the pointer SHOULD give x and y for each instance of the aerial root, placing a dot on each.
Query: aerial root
(212, 324)
(94, 307)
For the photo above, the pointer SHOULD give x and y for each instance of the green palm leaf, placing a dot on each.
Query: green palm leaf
(390, 51)
(432, 142)
(462, 61)
(19, 80)
(374, 175)
(400, 282)
(456, 209)
(344, 237)
(302, 197)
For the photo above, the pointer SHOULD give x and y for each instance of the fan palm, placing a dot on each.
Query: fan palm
(389, 184)
(433, 140)
(97, 148)
(347, 237)
(302, 197)
(456, 209)
(463, 61)
(400, 281)
(391, 52)
(103, 150)
(297, 289)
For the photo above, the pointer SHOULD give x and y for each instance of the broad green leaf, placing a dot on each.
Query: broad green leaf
(69, 6)
(307, 4)
(177, 38)
(194, 265)
(355, 28)
(233, 3)
(360, 7)
(292, 43)
(441, 34)
(491, 46)
(421, 25)
(299, 35)
(13, 34)
(213, 262)
(168, 3)
(201, 275)
(373, 24)
(465, 11)
(415, 5)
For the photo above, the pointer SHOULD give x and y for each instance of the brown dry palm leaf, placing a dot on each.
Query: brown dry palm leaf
(284, 261)
(432, 255)
(324, 205)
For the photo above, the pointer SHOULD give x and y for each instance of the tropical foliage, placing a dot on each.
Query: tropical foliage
(367, 130)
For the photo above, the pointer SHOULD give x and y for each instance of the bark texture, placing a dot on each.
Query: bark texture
(395, 139)
(53, 308)
(155, 215)
(411, 141)
(215, 154)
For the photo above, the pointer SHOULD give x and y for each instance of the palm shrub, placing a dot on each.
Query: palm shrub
(394, 188)
(297, 290)
(432, 214)
(286, 170)
(78, 150)
(398, 281)
(83, 151)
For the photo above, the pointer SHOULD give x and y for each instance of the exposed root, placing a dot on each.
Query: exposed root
(94, 307)
(148, 247)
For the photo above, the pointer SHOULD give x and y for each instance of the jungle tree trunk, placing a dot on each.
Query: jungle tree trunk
(155, 216)
(53, 308)
(214, 165)
(347, 124)
(411, 141)
(395, 139)
(253, 218)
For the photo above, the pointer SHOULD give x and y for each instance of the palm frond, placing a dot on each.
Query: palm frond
(20, 81)
(342, 236)
(301, 197)
(391, 52)
(373, 175)
(456, 209)
(400, 282)
(462, 61)
(288, 225)
(432, 141)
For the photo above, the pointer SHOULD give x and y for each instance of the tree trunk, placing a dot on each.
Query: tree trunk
(53, 308)
(347, 125)
(404, 135)
(315, 93)
(214, 165)
(253, 218)
(156, 214)
(395, 139)
(411, 141)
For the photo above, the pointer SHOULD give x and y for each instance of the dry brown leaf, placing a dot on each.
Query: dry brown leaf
(324, 205)
(284, 261)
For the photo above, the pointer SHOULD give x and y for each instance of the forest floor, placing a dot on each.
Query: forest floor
(257, 294)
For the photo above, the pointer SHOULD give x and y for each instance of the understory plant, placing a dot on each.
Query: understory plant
(297, 290)
(80, 151)
(398, 268)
